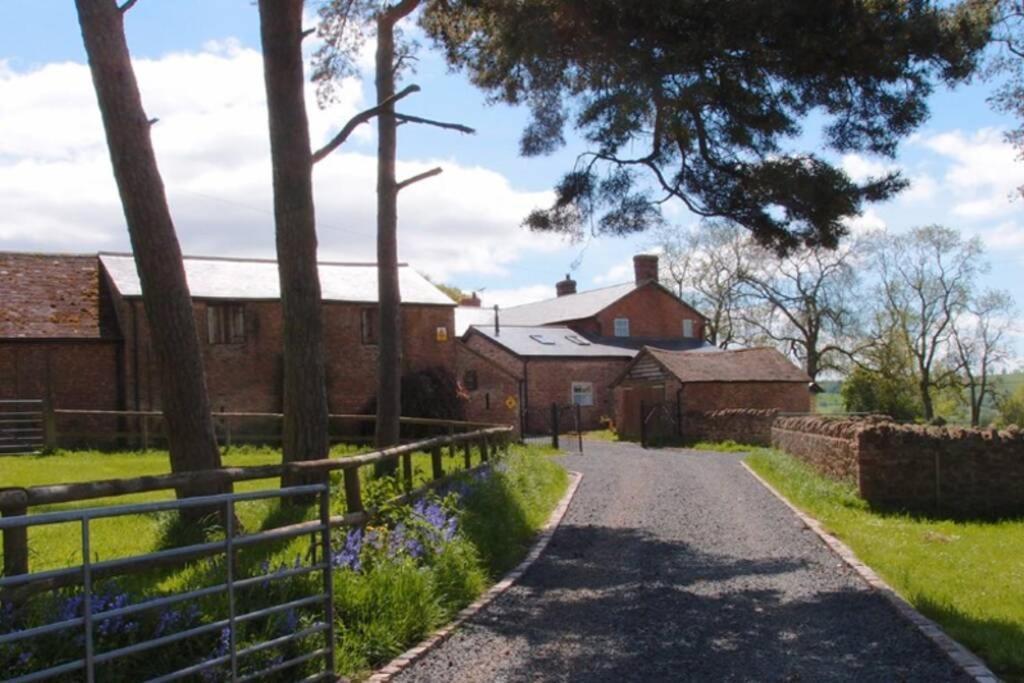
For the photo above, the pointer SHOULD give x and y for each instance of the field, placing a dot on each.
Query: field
(966, 575)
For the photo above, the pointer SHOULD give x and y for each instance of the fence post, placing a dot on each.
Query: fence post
(353, 494)
(49, 427)
(485, 454)
(15, 539)
(435, 462)
(467, 454)
(227, 432)
(451, 444)
(407, 469)
(579, 427)
(145, 432)
(643, 425)
(554, 425)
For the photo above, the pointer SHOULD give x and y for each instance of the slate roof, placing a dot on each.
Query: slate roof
(568, 307)
(257, 279)
(50, 296)
(741, 365)
(563, 342)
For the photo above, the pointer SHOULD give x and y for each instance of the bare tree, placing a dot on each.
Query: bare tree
(1008, 62)
(706, 265)
(980, 340)
(305, 409)
(926, 277)
(806, 301)
(165, 293)
(343, 25)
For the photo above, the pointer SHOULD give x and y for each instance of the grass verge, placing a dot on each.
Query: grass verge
(966, 575)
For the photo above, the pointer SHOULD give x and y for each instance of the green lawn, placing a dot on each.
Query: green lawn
(966, 575)
(58, 545)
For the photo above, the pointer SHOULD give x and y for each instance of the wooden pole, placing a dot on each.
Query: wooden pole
(407, 469)
(15, 540)
(353, 494)
(451, 446)
(643, 425)
(467, 453)
(554, 425)
(485, 454)
(435, 462)
(49, 427)
(579, 427)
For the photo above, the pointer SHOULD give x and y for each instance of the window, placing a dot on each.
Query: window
(469, 380)
(578, 341)
(582, 393)
(225, 323)
(541, 339)
(622, 327)
(688, 328)
(370, 328)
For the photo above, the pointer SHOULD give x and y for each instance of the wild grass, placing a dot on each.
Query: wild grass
(966, 575)
(383, 605)
(727, 446)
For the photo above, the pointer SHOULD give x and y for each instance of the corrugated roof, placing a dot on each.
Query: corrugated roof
(741, 365)
(257, 279)
(50, 296)
(568, 307)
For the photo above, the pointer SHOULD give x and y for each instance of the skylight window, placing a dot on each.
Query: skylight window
(541, 339)
(578, 341)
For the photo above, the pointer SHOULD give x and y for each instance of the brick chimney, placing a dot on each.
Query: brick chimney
(566, 286)
(472, 301)
(645, 267)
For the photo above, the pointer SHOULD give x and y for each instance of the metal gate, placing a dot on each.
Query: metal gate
(21, 426)
(93, 616)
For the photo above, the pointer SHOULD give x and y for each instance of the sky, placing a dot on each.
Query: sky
(200, 73)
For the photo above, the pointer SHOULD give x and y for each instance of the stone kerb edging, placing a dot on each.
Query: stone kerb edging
(407, 658)
(971, 664)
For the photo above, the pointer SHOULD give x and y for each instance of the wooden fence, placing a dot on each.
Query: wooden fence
(145, 428)
(19, 501)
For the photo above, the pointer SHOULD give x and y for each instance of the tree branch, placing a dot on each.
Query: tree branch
(307, 33)
(408, 118)
(359, 119)
(127, 6)
(420, 176)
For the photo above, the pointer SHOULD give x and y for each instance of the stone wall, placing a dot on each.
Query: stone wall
(746, 426)
(935, 470)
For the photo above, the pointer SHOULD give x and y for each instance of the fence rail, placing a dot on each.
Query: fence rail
(89, 572)
(16, 502)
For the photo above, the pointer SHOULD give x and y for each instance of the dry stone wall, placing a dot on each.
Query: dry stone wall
(740, 425)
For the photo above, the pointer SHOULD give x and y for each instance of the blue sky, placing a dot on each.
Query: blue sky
(200, 73)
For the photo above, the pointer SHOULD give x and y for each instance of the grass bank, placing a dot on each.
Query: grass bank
(966, 575)
(395, 581)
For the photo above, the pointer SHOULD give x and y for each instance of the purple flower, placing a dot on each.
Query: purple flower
(348, 556)
(291, 621)
(414, 548)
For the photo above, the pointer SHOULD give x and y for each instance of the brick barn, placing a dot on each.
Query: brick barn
(73, 328)
(567, 350)
(678, 382)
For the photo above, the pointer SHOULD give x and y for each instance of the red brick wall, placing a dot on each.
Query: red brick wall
(494, 386)
(247, 377)
(498, 354)
(652, 313)
(550, 381)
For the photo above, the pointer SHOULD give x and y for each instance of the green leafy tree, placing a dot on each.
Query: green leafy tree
(883, 381)
(1008, 63)
(1011, 408)
(701, 102)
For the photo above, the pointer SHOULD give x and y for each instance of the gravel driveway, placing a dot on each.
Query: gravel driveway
(678, 566)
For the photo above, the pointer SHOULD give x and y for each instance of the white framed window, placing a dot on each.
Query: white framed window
(688, 328)
(622, 327)
(583, 393)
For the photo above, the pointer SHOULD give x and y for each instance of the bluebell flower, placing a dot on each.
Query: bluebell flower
(24, 657)
(291, 621)
(348, 556)
(414, 548)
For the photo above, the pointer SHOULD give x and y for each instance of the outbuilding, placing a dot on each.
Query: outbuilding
(658, 387)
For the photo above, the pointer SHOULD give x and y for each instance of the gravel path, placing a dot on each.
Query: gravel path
(679, 566)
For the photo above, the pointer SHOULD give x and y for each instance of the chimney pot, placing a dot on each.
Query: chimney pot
(645, 268)
(566, 286)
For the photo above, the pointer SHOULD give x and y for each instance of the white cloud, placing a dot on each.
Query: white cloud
(983, 174)
(505, 298)
(869, 221)
(617, 274)
(860, 168)
(58, 193)
(922, 188)
(1008, 235)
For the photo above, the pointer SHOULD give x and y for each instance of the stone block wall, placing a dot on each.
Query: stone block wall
(935, 470)
(747, 426)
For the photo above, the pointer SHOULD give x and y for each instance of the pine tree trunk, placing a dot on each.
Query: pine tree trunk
(305, 434)
(389, 398)
(165, 293)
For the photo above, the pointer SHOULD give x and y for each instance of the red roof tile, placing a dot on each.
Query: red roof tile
(742, 365)
(49, 296)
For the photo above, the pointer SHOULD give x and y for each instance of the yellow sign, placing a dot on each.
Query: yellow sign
(511, 402)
